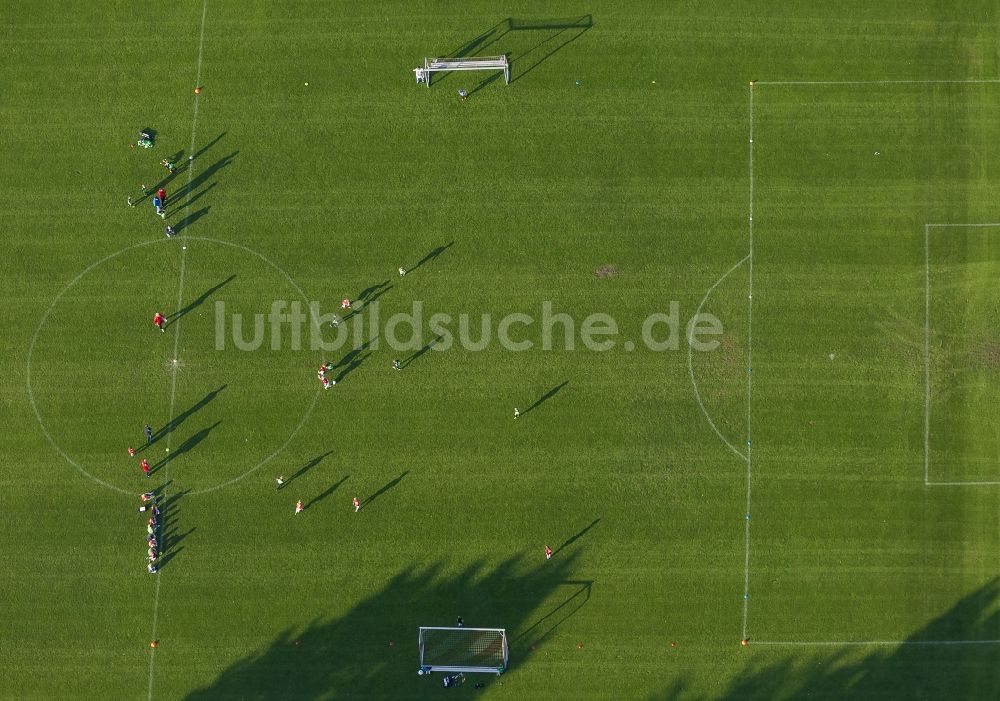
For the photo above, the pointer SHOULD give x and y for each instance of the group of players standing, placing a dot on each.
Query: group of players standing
(152, 529)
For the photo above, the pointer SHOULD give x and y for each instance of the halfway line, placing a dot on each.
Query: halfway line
(177, 338)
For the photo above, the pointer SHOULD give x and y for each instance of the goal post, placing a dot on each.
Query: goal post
(466, 63)
(463, 649)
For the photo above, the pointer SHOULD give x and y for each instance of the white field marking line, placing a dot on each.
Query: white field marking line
(31, 352)
(694, 382)
(869, 643)
(927, 228)
(961, 226)
(166, 468)
(746, 519)
(177, 337)
(927, 356)
(316, 325)
(962, 484)
(29, 370)
(874, 82)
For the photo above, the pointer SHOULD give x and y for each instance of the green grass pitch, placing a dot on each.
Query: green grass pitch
(824, 484)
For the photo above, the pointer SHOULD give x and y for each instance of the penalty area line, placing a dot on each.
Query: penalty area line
(878, 82)
(927, 356)
(749, 473)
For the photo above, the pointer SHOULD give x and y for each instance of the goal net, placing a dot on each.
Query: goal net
(466, 63)
(463, 650)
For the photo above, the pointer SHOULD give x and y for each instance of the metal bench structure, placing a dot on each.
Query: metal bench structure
(469, 63)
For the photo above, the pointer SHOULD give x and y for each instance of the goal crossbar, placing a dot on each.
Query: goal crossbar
(467, 63)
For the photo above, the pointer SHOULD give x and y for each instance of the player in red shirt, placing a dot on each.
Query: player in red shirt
(357, 504)
(548, 553)
(131, 452)
(159, 321)
(162, 194)
(145, 467)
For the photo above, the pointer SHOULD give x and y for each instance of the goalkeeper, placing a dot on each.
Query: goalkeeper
(453, 680)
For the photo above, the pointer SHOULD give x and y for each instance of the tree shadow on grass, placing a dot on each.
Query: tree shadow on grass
(919, 668)
(370, 652)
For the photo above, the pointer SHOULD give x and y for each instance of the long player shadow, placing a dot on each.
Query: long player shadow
(191, 219)
(352, 361)
(195, 303)
(416, 356)
(329, 490)
(184, 164)
(572, 539)
(187, 413)
(169, 539)
(187, 446)
(545, 397)
(308, 466)
(384, 488)
(431, 255)
(192, 199)
(203, 176)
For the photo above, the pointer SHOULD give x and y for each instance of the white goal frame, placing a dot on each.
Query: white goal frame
(430, 662)
(468, 63)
